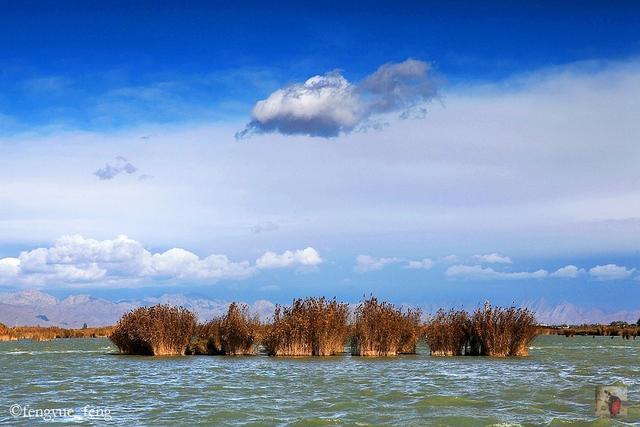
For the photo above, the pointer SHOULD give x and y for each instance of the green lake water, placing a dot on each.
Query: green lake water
(555, 385)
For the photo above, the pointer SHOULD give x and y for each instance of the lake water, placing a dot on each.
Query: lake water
(553, 386)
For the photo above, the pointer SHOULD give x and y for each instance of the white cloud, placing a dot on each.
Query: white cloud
(181, 264)
(610, 272)
(449, 259)
(329, 104)
(303, 257)
(477, 272)
(460, 182)
(424, 264)
(492, 258)
(322, 105)
(568, 272)
(9, 267)
(75, 260)
(366, 263)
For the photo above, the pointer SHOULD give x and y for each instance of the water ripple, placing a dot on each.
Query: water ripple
(554, 386)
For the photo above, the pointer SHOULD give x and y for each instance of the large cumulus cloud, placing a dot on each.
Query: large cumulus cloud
(327, 105)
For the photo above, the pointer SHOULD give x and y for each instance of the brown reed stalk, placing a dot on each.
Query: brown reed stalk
(328, 326)
(448, 334)
(410, 331)
(239, 331)
(503, 332)
(309, 327)
(381, 329)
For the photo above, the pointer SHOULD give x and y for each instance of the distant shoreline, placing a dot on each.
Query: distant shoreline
(624, 331)
(48, 333)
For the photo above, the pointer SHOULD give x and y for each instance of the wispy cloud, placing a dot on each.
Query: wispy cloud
(449, 259)
(478, 272)
(599, 273)
(568, 272)
(117, 98)
(366, 263)
(423, 264)
(46, 84)
(493, 258)
(264, 227)
(327, 105)
(610, 272)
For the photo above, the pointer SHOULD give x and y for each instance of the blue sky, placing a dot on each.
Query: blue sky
(63, 61)
(503, 134)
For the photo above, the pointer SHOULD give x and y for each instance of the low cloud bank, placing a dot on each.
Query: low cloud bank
(78, 260)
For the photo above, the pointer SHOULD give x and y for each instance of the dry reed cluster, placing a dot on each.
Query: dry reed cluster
(309, 327)
(236, 333)
(492, 331)
(157, 330)
(381, 329)
(321, 327)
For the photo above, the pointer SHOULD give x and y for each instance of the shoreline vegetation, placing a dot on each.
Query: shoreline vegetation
(322, 327)
(47, 333)
(616, 329)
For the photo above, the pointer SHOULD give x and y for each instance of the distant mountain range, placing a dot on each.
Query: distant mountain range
(33, 307)
(36, 308)
(570, 314)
